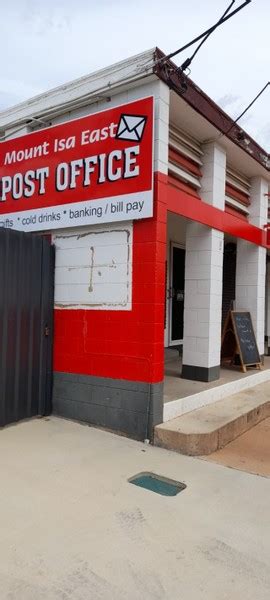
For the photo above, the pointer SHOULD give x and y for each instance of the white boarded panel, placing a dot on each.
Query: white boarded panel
(81, 275)
(75, 238)
(73, 257)
(94, 267)
(70, 295)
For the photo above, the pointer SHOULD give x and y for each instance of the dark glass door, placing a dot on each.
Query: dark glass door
(177, 294)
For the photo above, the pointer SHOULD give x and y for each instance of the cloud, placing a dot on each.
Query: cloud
(49, 42)
(14, 91)
(227, 100)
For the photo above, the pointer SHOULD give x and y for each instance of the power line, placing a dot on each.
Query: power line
(188, 61)
(247, 108)
(204, 34)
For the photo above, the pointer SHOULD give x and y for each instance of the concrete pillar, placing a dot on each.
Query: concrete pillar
(203, 302)
(267, 307)
(251, 265)
(214, 175)
(203, 278)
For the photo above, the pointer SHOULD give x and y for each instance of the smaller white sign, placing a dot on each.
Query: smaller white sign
(105, 210)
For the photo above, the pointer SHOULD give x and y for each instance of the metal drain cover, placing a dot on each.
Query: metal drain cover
(158, 484)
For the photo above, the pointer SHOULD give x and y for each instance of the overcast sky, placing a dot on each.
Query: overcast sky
(45, 43)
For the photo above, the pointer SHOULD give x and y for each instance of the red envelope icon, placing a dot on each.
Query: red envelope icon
(131, 127)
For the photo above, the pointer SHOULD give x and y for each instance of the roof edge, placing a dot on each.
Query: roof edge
(168, 71)
(101, 81)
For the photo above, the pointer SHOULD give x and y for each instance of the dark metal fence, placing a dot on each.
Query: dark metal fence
(26, 322)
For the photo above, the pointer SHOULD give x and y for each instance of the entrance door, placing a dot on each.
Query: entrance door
(177, 294)
(26, 319)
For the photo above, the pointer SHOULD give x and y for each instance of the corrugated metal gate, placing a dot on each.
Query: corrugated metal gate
(26, 320)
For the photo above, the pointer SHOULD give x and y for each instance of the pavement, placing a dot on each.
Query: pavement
(207, 429)
(73, 528)
(175, 387)
(250, 452)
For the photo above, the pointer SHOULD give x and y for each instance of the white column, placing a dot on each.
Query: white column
(251, 264)
(214, 175)
(267, 307)
(203, 278)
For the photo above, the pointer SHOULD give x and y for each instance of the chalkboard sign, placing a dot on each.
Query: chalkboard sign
(238, 340)
(246, 338)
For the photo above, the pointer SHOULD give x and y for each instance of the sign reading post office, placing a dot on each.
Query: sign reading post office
(97, 169)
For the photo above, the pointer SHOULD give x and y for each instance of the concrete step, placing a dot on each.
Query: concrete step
(207, 429)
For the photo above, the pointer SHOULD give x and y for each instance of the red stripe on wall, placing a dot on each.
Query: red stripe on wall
(237, 195)
(181, 185)
(185, 162)
(190, 207)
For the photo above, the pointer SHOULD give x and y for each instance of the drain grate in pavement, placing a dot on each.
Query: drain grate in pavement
(158, 484)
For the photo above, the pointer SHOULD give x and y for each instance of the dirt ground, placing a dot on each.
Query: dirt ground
(250, 452)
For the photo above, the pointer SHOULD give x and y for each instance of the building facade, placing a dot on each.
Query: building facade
(159, 220)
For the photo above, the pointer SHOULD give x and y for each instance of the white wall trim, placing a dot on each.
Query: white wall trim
(237, 205)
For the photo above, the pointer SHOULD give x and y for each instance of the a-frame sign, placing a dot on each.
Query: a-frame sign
(238, 341)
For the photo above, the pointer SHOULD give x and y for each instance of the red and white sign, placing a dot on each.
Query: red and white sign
(96, 169)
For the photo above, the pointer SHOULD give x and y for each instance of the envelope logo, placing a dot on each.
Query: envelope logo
(131, 127)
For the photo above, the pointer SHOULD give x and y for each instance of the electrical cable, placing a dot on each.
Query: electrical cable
(202, 35)
(246, 109)
(188, 61)
(69, 105)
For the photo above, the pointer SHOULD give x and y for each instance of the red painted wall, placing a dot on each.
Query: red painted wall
(130, 344)
(123, 344)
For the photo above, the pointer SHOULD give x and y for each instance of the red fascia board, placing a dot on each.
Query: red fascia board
(188, 206)
(236, 213)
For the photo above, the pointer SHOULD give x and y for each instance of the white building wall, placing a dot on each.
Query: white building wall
(267, 307)
(203, 278)
(214, 175)
(203, 297)
(251, 264)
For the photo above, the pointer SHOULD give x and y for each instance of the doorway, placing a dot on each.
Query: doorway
(229, 275)
(176, 294)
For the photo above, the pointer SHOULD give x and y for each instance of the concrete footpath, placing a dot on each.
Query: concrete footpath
(207, 429)
(73, 528)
